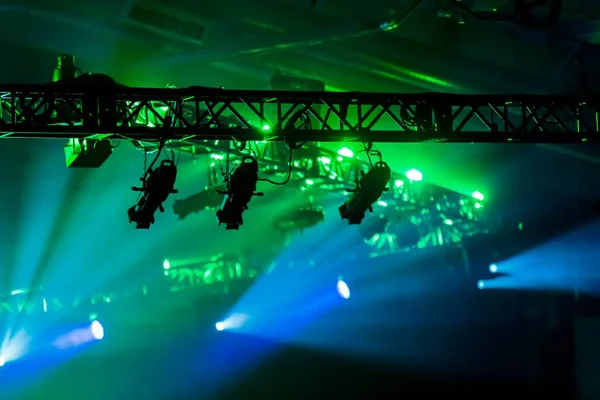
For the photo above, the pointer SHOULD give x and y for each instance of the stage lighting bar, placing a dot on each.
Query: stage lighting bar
(313, 165)
(200, 113)
(439, 216)
(442, 216)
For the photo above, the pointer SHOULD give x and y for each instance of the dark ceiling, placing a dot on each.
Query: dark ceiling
(239, 44)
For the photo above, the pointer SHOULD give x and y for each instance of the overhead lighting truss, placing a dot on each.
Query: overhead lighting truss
(67, 111)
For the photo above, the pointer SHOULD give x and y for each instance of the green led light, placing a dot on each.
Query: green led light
(478, 196)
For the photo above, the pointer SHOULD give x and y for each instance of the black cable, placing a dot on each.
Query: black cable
(302, 115)
(290, 170)
(149, 169)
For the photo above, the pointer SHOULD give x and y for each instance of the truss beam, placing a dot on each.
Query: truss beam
(55, 111)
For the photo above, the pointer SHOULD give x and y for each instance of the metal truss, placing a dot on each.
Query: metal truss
(27, 302)
(217, 270)
(198, 113)
(201, 279)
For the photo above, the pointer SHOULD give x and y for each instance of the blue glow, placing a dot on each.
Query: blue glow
(564, 263)
(219, 326)
(493, 268)
(480, 284)
(2, 361)
(343, 289)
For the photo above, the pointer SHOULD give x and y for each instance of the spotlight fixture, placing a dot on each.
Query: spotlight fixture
(240, 188)
(157, 185)
(367, 191)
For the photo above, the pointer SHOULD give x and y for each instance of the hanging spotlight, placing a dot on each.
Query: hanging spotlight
(157, 185)
(240, 188)
(368, 190)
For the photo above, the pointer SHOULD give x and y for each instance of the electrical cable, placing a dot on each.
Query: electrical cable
(289, 173)
(302, 115)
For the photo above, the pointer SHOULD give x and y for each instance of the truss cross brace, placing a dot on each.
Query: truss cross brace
(194, 114)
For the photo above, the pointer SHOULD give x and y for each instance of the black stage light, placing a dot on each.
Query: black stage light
(156, 188)
(368, 190)
(240, 188)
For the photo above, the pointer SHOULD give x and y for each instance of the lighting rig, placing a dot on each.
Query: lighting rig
(95, 108)
(241, 184)
(157, 185)
(240, 188)
(368, 189)
(420, 213)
